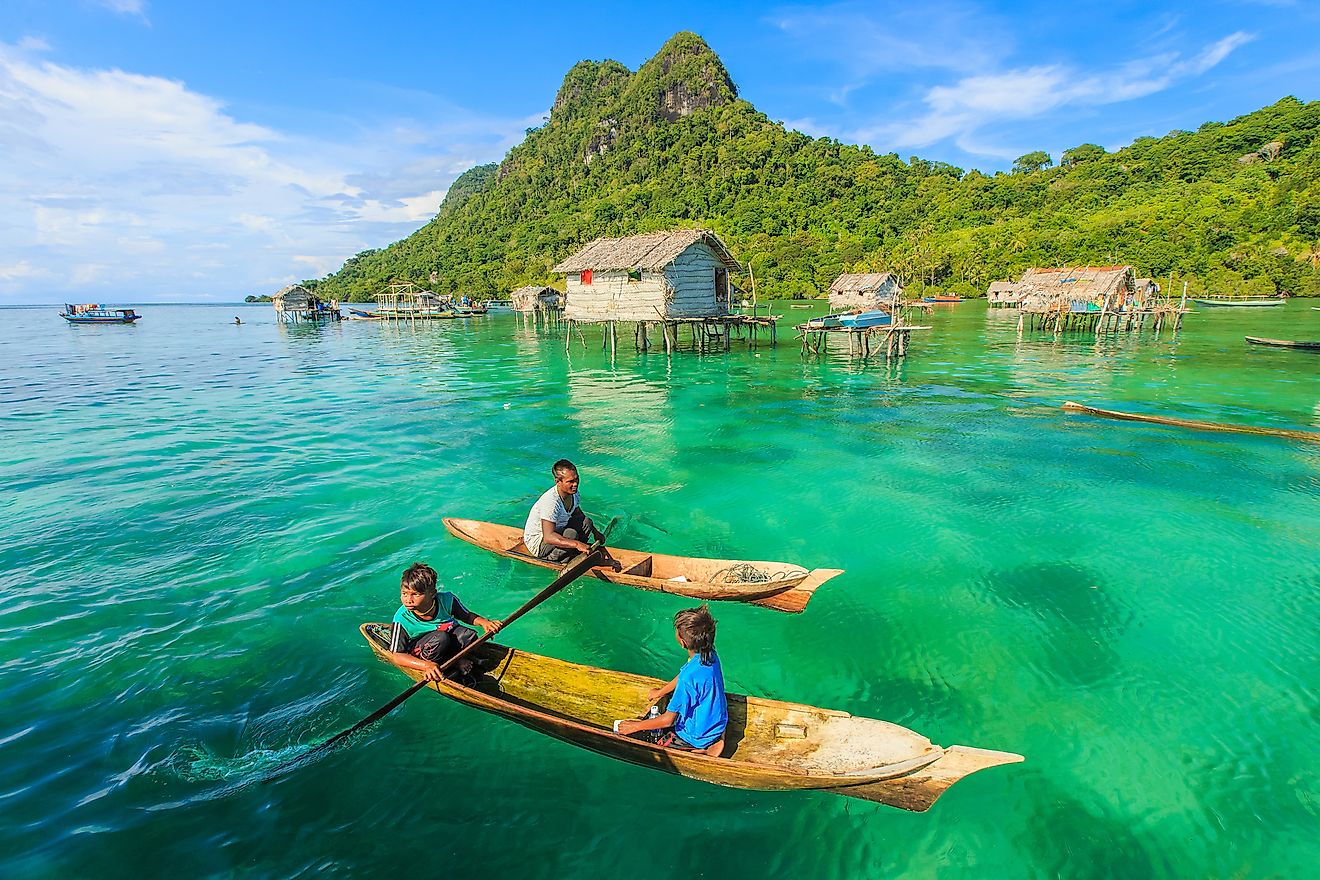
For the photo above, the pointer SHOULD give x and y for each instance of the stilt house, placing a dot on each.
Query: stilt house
(656, 276)
(1077, 289)
(296, 303)
(534, 298)
(1003, 293)
(865, 292)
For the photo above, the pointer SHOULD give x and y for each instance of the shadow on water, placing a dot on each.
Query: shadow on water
(1079, 617)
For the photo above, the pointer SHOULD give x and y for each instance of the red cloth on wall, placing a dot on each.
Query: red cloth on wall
(586, 276)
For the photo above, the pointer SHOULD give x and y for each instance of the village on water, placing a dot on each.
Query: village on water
(741, 491)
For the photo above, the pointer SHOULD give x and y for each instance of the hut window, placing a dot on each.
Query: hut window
(634, 274)
(586, 276)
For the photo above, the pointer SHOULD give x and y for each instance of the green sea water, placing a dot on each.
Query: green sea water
(195, 517)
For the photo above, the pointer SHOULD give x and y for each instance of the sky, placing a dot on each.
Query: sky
(163, 150)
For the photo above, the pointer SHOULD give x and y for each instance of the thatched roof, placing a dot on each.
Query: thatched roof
(652, 251)
(532, 290)
(294, 296)
(1001, 287)
(863, 283)
(1076, 282)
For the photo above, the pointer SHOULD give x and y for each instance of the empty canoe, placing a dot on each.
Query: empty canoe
(769, 745)
(778, 585)
(1194, 424)
(866, 319)
(1284, 343)
(1241, 303)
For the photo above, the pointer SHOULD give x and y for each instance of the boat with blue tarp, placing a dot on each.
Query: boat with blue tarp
(862, 320)
(93, 313)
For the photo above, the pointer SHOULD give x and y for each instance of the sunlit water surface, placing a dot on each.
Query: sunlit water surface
(195, 516)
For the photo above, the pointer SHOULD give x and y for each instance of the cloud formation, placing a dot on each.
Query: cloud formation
(118, 184)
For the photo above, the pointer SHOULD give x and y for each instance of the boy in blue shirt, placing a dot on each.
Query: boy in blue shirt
(697, 712)
(427, 627)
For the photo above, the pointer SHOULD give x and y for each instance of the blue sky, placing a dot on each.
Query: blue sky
(154, 150)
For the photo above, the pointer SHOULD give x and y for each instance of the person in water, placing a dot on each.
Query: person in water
(556, 525)
(697, 713)
(428, 627)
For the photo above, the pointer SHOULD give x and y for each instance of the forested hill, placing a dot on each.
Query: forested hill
(1235, 206)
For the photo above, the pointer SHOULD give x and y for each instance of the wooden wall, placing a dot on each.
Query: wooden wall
(685, 289)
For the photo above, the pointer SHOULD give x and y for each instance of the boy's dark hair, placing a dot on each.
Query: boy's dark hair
(419, 578)
(696, 630)
(561, 467)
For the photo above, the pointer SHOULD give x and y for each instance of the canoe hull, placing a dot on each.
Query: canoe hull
(867, 319)
(789, 590)
(1284, 343)
(1240, 304)
(519, 686)
(1193, 424)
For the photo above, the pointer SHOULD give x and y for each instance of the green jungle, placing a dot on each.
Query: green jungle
(1232, 208)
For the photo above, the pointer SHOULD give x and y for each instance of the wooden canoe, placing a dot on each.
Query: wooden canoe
(769, 745)
(1311, 436)
(788, 588)
(1239, 303)
(1284, 343)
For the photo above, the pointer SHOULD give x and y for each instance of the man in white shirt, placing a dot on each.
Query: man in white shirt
(557, 522)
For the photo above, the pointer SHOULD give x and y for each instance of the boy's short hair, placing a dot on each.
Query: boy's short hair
(561, 467)
(696, 630)
(419, 578)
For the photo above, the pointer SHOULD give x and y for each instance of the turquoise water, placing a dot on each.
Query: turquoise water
(197, 515)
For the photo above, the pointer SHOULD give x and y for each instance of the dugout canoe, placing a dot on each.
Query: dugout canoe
(787, 587)
(1309, 436)
(1284, 343)
(769, 745)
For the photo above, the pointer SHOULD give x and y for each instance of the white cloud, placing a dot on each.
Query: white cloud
(961, 109)
(103, 167)
(126, 7)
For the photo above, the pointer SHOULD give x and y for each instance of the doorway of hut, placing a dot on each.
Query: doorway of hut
(722, 287)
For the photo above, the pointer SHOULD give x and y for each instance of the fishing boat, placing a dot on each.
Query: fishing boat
(943, 298)
(363, 316)
(825, 322)
(769, 745)
(799, 305)
(862, 320)
(781, 586)
(97, 314)
(1284, 343)
(499, 305)
(1240, 302)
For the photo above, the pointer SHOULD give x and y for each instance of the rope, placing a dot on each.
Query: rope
(746, 573)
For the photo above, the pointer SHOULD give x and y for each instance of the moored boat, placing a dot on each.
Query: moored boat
(1194, 424)
(825, 322)
(769, 745)
(1284, 343)
(97, 314)
(1241, 302)
(943, 298)
(861, 320)
(781, 586)
(363, 316)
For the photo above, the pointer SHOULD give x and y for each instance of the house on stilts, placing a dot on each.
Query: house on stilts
(665, 280)
(1002, 294)
(296, 304)
(537, 302)
(1091, 299)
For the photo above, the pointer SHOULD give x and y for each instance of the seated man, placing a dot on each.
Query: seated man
(556, 526)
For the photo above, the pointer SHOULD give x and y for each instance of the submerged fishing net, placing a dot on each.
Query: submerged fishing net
(746, 573)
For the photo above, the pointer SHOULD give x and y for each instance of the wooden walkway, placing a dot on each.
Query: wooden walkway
(893, 339)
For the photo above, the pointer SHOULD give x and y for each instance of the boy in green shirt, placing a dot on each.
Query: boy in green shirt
(427, 628)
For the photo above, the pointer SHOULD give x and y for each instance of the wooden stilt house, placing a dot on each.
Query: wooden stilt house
(536, 298)
(657, 276)
(865, 292)
(295, 304)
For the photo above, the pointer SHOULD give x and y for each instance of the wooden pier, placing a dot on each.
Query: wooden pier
(864, 342)
(1061, 319)
(704, 335)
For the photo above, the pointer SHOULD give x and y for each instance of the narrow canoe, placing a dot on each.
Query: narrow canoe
(861, 320)
(786, 587)
(769, 745)
(1253, 303)
(1310, 436)
(1284, 343)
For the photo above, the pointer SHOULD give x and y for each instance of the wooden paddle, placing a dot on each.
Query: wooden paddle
(574, 570)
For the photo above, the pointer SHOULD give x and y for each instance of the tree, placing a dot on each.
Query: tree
(1081, 153)
(1038, 160)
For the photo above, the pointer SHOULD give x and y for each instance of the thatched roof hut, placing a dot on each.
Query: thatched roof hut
(1076, 288)
(534, 298)
(871, 290)
(1003, 293)
(656, 276)
(294, 298)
